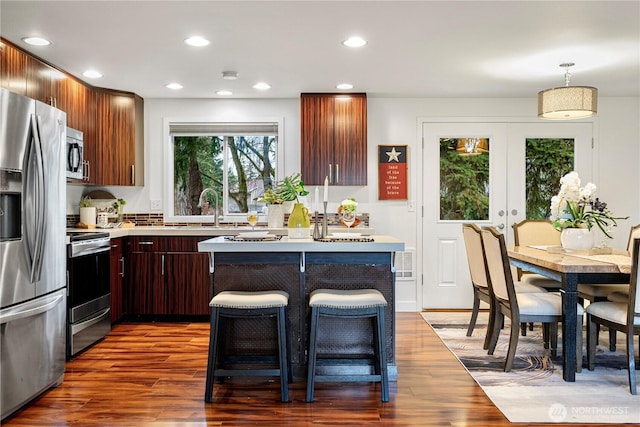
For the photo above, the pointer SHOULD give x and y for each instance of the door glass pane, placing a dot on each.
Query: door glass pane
(547, 160)
(464, 179)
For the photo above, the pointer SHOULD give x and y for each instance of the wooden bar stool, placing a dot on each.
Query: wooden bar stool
(357, 303)
(237, 304)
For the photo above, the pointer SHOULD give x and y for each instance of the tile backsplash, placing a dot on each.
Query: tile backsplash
(157, 220)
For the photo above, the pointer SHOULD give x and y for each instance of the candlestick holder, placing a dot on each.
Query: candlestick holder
(325, 231)
(316, 227)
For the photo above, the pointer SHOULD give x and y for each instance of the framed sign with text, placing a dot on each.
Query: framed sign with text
(392, 172)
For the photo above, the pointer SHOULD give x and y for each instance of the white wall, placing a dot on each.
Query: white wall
(391, 122)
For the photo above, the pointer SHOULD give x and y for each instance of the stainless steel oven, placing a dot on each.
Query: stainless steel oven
(89, 295)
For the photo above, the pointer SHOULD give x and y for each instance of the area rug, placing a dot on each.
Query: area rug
(534, 391)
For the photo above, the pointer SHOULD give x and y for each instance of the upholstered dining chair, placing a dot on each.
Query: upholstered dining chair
(479, 279)
(595, 293)
(536, 232)
(619, 316)
(520, 307)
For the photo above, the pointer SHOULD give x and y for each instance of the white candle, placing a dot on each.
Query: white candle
(326, 188)
(316, 204)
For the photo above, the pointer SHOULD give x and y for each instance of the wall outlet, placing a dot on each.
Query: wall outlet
(411, 205)
(156, 205)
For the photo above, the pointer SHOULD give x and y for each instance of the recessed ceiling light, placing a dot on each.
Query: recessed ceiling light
(92, 74)
(224, 92)
(197, 41)
(174, 86)
(262, 86)
(344, 86)
(36, 41)
(230, 75)
(354, 42)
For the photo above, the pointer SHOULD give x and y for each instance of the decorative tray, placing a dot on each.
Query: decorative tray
(267, 238)
(346, 239)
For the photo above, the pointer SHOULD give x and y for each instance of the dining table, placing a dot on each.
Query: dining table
(570, 268)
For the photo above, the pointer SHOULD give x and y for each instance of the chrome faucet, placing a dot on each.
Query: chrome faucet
(215, 214)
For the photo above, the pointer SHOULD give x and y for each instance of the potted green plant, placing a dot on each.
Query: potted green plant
(291, 188)
(118, 205)
(87, 211)
(275, 208)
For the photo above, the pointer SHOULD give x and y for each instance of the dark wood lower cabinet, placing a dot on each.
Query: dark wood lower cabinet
(116, 267)
(168, 283)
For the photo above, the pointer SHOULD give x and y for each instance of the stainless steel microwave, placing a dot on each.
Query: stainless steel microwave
(74, 154)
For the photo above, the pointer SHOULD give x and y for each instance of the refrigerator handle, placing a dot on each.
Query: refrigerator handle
(35, 227)
(46, 305)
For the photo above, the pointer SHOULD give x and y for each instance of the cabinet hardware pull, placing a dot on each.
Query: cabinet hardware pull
(122, 268)
(133, 174)
(145, 243)
(114, 246)
(163, 265)
(337, 173)
(330, 175)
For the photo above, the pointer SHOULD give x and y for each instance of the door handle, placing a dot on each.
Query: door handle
(500, 226)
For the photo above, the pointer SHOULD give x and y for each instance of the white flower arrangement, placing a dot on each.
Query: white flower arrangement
(568, 208)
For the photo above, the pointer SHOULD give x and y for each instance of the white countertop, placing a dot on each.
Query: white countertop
(380, 244)
(199, 231)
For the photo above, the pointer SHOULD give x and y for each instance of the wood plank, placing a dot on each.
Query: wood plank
(153, 374)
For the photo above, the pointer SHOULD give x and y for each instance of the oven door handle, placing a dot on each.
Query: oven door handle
(92, 250)
(77, 327)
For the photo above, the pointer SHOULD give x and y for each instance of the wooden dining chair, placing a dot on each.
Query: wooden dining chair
(618, 316)
(544, 307)
(479, 278)
(595, 293)
(536, 232)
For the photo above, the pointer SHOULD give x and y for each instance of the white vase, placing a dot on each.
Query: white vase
(275, 216)
(88, 215)
(577, 238)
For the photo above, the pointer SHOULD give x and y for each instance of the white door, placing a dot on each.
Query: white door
(445, 272)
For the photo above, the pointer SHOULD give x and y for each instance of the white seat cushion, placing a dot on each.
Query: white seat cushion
(542, 304)
(356, 298)
(250, 300)
(540, 281)
(618, 297)
(602, 290)
(526, 288)
(612, 311)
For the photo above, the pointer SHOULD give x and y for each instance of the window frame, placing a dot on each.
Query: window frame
(168, 190)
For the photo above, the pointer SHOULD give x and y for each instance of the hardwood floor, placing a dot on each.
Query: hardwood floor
(153, 374)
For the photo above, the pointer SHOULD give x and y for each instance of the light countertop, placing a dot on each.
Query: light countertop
(286, 244)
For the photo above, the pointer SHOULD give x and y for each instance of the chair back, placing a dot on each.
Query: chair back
(634, 233)
(500, 279)
(633, 312)
(475, 255)
(535, 232)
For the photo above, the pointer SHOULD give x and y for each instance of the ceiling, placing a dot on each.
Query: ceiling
(442, 49)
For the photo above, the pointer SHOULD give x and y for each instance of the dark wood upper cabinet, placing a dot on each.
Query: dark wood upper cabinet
(333, 138)
(111, 121)
(119, 118)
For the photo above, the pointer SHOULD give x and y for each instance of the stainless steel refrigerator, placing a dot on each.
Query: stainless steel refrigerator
(32, 249)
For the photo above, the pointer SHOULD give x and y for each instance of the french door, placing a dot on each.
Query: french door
(487, 186)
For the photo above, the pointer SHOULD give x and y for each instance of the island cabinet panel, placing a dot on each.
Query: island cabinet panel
(117, 272)
(168, 277)
(333, 138)
(299, 274)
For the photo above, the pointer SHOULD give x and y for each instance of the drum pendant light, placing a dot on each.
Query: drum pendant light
(567, 102)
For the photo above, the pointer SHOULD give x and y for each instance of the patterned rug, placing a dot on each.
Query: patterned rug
(534, 391)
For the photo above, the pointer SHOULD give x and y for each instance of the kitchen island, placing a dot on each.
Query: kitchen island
(298, 267)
